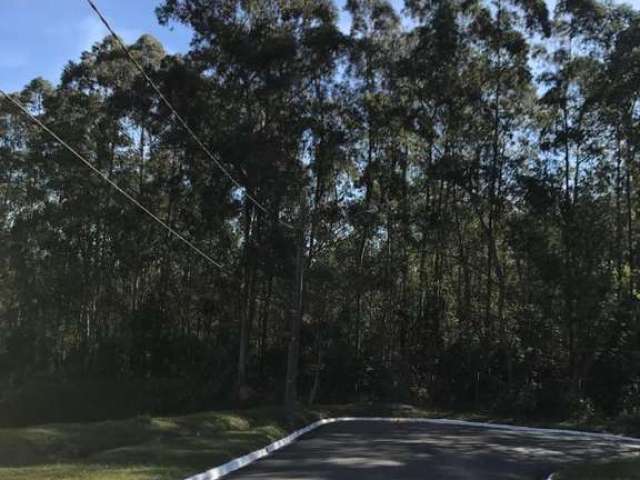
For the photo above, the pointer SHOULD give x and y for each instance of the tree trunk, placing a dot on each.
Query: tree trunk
(297, 312)
(246, 310)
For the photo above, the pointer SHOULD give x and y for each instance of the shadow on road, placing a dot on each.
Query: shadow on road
(406, 451)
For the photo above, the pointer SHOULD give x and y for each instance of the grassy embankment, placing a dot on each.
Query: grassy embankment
(163, 448)
(618, 469)
(627, 469)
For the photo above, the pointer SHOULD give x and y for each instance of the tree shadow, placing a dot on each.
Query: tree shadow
(405, 451)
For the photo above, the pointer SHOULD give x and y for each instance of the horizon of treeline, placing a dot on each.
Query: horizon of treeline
(463, 190)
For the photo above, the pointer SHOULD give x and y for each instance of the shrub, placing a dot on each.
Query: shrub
(44, 400)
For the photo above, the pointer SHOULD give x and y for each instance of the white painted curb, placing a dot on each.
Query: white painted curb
(237, 463)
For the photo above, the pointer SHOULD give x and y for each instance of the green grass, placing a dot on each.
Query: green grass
(135, 449)
(626, 469)
(163, 448)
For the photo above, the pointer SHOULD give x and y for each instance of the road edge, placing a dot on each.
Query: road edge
(240, 462)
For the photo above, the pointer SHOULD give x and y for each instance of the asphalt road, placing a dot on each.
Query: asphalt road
(412, 451)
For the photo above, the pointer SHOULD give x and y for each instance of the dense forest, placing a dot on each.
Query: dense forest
(439, 205)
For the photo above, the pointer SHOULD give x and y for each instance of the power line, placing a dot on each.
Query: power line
(104, 176)
(182, 122)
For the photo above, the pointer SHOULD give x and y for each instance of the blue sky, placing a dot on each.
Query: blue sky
(39, 37)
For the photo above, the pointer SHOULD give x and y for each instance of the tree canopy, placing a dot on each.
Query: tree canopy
(450, 211)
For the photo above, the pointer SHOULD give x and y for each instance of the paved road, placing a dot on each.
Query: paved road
(412, 451)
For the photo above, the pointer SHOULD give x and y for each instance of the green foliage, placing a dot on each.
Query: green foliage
(467, 198)
(43, 400)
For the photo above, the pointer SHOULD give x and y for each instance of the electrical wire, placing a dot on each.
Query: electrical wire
(175, 113)
(104, 176)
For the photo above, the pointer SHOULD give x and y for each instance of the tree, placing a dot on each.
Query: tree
(438, 206)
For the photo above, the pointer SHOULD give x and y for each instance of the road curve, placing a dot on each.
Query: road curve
(424, 451)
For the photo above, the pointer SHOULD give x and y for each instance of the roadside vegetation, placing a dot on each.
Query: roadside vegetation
(462, 186)
(141, 448)
(625, 469)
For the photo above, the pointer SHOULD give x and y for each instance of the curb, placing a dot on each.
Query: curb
(240, 462)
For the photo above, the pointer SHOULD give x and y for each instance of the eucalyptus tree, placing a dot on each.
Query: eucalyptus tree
(621, 102)
(375, 42)
(438, 206)
(268, 60)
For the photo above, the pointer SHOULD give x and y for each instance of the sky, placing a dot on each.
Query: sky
(39, 37)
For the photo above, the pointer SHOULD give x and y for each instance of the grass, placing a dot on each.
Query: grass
(625, 469)
(163, 448)
(136, 449)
